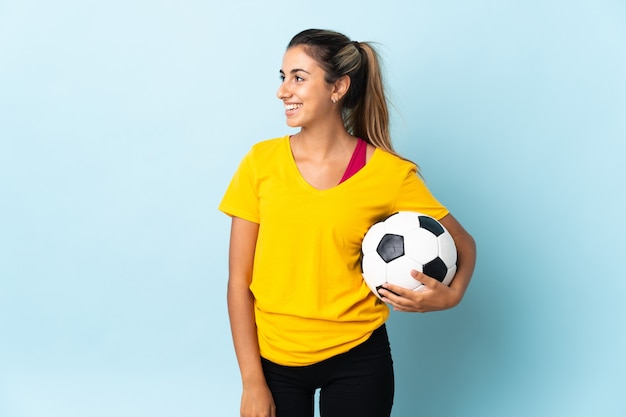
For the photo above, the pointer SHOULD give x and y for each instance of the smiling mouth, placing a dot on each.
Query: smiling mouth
(289, 107)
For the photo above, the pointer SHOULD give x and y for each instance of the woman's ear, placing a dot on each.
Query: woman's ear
(341, 86)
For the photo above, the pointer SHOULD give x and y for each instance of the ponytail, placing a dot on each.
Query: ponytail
(369, 118)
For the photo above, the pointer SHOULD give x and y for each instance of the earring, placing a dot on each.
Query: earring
(334, 100)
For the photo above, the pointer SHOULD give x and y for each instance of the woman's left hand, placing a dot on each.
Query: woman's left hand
(433, 296)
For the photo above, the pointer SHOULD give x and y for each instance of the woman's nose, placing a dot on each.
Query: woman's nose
(282, 92)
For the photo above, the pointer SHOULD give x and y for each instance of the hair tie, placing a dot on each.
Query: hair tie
(357, 44)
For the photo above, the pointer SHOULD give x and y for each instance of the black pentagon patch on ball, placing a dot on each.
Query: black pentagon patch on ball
(390, 247)
(431, 225)
(380, 286)
(436, 269)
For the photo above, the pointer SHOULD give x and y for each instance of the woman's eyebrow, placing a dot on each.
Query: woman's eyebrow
(293, 71)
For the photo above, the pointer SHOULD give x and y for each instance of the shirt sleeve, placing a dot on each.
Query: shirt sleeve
(241, 197)
(414, 195)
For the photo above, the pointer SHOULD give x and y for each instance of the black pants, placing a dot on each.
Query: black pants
(357, 383)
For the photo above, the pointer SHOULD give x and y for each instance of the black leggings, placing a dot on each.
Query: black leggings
(359, 382)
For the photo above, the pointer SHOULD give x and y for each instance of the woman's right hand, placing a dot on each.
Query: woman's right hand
(257, 401)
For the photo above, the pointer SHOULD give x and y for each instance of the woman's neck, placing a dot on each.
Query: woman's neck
(322, 144)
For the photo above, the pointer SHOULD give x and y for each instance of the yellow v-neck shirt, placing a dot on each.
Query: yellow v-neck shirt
(311, 302)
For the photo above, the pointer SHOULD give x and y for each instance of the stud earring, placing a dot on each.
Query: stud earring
(334, 100)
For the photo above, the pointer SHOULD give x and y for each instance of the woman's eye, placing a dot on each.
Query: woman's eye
(295, 78)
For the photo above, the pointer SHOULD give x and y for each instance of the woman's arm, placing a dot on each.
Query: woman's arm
(256, 399)
(437, 296)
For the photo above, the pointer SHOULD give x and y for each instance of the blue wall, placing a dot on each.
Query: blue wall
(121, 123)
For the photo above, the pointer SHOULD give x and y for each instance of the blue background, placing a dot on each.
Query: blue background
(121, 123)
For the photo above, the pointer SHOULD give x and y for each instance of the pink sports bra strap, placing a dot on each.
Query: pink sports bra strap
(357, 161)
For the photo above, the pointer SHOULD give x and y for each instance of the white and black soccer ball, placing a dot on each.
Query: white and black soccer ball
(404, 241)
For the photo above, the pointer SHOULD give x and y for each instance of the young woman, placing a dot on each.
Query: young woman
(302, 318)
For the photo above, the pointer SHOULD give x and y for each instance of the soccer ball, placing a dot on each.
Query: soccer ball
(404, 241)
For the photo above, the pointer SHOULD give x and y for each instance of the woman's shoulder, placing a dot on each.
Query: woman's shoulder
(269, 146)
(271, 143)
(393, 160)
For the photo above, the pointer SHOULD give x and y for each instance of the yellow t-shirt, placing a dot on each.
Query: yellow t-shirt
(311, 302)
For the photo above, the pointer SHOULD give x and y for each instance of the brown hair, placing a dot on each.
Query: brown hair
(364, 108)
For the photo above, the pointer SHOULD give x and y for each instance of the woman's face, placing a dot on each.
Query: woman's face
(304, 91)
